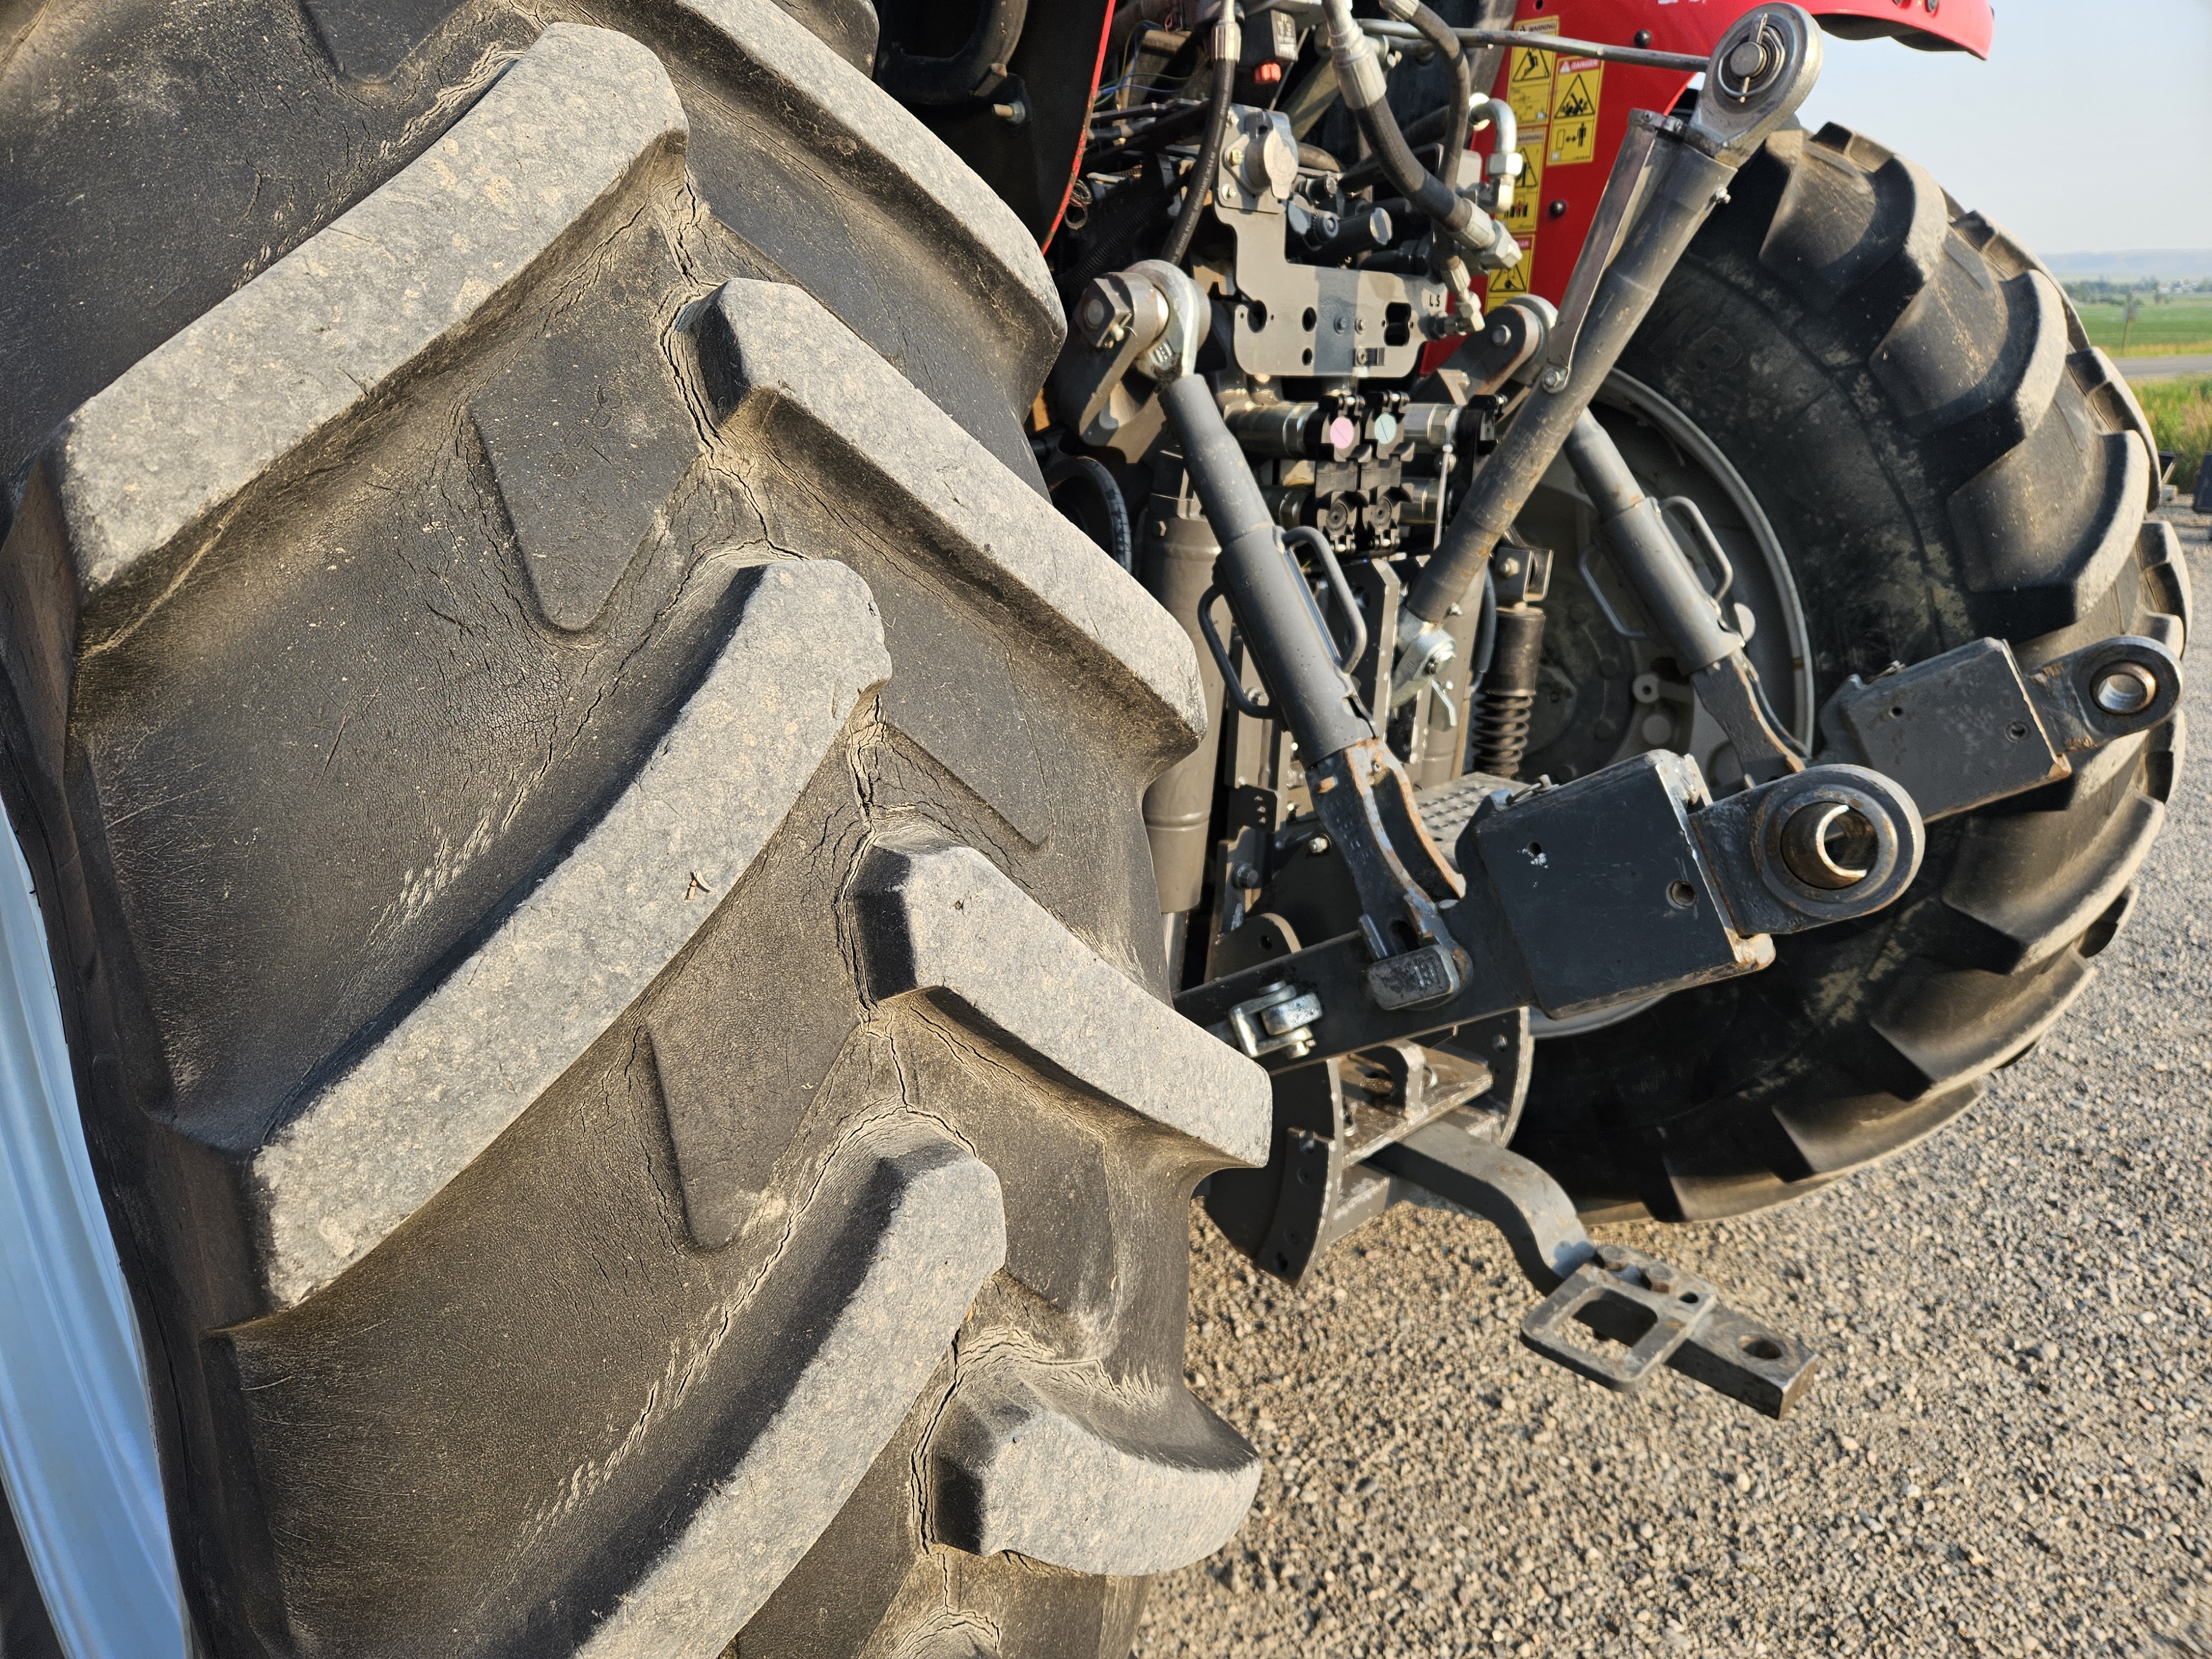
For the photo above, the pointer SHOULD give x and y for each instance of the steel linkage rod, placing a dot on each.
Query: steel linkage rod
(1640, 57)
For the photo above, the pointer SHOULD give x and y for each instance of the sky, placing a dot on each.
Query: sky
(2089, 129)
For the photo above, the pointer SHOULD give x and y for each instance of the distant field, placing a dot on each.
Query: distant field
(2180, 413)
(2161, 331)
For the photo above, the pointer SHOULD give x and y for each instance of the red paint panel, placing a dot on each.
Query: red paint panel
(1959, 25)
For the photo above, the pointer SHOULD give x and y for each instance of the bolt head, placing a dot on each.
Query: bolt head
(1318, 845)
(1103, 315)
(1501, 335)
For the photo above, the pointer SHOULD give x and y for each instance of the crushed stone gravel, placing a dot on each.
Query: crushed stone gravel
(2006, 1450)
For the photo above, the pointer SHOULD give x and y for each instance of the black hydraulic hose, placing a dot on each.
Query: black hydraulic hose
(1486, 633)
(1112, 509)
(1439, 35)
(1360, 78)
(1450, 211)
(1228, 44)
(1313, 156)
(1421, 131)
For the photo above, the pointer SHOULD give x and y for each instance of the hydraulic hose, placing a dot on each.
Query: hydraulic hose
(1360, 77)
(1429, 129)
(1486, 633)
(1460, 122)
(1228, 45)
(1112, 509)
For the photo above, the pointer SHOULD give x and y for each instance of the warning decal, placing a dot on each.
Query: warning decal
(1574, 123)
(1515, 278)
(1520, 217)
(1529, 75)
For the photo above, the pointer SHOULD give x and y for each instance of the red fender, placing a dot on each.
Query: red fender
(1584, 105)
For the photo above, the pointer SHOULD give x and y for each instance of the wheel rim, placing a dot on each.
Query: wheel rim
(1781, 637)
(76, 1435)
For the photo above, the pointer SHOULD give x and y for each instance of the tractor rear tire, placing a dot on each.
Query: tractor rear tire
(587, 809)
(1943, 455)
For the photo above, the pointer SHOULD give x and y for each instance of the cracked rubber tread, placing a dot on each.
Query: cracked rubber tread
(1944, 456)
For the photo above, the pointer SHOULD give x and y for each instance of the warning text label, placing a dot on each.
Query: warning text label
(1576, 90)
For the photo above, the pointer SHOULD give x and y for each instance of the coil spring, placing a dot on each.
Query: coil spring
(1507, 702)
(1500, 722)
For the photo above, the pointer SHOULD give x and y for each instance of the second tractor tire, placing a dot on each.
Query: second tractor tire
(1943, 455)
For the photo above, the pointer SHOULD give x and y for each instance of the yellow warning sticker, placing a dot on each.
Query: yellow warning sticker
(1520, 217)
(1515, 278)
(1529, 79)
(1575, 98)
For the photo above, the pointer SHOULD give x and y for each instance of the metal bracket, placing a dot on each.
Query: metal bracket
(1759, 73)
(1626, 883)
(1657, 1315)
(1281, 1018)
(1645, 1307)
(1330, 1119)
(1970, 727)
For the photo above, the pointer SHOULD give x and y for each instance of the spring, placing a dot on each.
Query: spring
(1500, 735)
(1501, 710)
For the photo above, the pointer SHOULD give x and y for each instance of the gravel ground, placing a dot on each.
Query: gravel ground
(2006, 1450)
